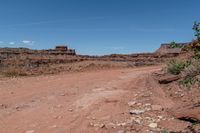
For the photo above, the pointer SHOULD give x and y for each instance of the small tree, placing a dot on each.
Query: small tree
(196, 44)
(196, 28)
(173, 44)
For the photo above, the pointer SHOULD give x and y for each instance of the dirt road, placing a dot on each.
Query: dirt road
(77, 102)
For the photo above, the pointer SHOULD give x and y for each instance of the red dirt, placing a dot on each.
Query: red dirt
(86, 102)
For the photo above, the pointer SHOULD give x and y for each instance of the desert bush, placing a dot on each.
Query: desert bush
(175, 66)
(189, 69)
(190, 73)
(193, 69)
(164, 131)
(196, 44)
(189, 81)
(14, 73)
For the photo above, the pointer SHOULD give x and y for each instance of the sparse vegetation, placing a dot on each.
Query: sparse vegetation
(188, 81)
(189, 69)
(13, 73)
(175, 66)
(164, 131)
(193, 69)
(175, 45)
(196, 28)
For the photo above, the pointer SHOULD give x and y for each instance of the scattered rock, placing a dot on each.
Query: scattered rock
(146, 95)
(148, 118)
(132, 103)
(63, 94)
(70, 110)
(30, 131)
(54, 126)
(3, 106)
(102, 125)
(153, 125)
(58, 117)
(147, 104)
(175, 125)
(59, 106)
(136, 112)
(110, 125)
(190, 113)
(139, 104)
(157, 107)
(168, 79)
(99, 125)
(138, 121)
(121, 124)
(17, 108)
(121, 131)
(147, 109)
(160, 117)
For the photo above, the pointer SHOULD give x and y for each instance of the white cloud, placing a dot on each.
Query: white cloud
(117, 48)
(11, 43)
(1, 41)
(28, 42)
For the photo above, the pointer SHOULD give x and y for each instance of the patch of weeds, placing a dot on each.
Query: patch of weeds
(14, 73)
(175, 67)
(197, 54)
(193, 69)
(189, 81)
(164, 131)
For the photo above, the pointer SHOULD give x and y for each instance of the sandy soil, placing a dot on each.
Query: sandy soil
(84, 102)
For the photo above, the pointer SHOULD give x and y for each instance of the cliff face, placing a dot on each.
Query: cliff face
(24, 57)
(37, 61)
(166, 49)
(20, 51)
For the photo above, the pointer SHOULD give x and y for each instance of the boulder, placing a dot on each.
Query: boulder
(190, 113)
(168, 79)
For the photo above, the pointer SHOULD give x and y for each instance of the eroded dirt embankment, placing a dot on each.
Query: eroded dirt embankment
(117, 100)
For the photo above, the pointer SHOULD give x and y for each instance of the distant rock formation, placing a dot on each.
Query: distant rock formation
(166, 49)
(59, 50)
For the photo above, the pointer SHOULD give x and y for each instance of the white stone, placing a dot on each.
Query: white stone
(137, 121)
(54, 126)
(30, 131)
(139, 104)
(147, 104)
(136, 112)
(121, 131)
(160, 117)
(153, 125)
(70, 110)
(131, 103)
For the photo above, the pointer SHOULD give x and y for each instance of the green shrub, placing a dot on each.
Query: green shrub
(196, 54)
(190, 69)
(193, 69)
(175, 45)
(196, 28)
(175, 67)
(190, 73)
(164, 131)
(189, 81)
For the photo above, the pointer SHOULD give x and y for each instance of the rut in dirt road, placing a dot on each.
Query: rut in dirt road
(78, 102)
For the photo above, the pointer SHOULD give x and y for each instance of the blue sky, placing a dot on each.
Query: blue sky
(97, 27)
